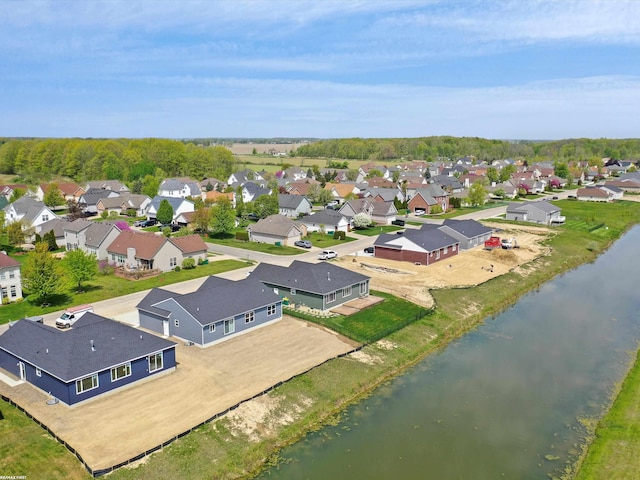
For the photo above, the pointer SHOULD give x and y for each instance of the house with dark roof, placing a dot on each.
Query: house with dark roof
(380, 212)
(537, 212)
(469, 232)
(327, 220)
(219, 310)
(179, 188)
(179, 205)
(293, 205)
(135, 250)
(88, 201)
(425, 197)
(243, 176)
(252, 191)
(95, 357)
(57, 226)
(29, 211)
(90, 237)
(321, 286)
(425, 246)
(276, 229)
(10, 279)
(113, 185)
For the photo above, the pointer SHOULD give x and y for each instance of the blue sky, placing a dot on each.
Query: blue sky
(320, 68)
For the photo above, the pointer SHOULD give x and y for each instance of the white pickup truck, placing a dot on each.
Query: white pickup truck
(71, 315)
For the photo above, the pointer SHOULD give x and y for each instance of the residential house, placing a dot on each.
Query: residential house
(211, 184)
(293, 205)
(179, 188)
(10, 279)
(380, 212)
(136, 202)
(97, 356)
(243, 176)
(112, 185)
(68, 190)
(31, 212)
(340, 191)
(251, 191)
(428, 196)
(447, 183)
(57, 226)
(301, 188)
(599, 193)
(72, 232)
(111, 205)
(469, 232)
(214, 196)
(147, 251)
(626, 185)
(88, 201)
(383, 194)
(219, 310)
(366, 169)
(96, 238)
(276, 229)
(320, 286)
(179, 205)
(327, 220)
(295, 174)
(7, 191)
(537, 212)
(425, 246)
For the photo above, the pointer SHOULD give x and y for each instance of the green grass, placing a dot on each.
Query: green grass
(614, 454)
(26, 449)
(321, 240)
(104, 287)
(377, 230)
(373, 323)
(231, 241)
(465, 210)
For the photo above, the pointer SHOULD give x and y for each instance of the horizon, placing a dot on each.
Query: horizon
(323, 70)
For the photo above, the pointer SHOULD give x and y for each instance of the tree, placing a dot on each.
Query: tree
(17, 193)
(15, 233)
(506, 172)
(477, 194)
(492, 175)
(165, 212)
(75, 211)
(80, 267)
(53, 196)
(223, 217)
(41, 273)
(562, 170)
(325, 196)
(201, 219)
(361, 220)
(150, 185)
(266, 205)
(50, 238)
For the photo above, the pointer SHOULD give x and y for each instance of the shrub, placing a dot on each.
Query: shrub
(242, 236)
(105, 268)
(436, 209)
(5, 300)
(104, 215)
(177, 269)
(188, 263)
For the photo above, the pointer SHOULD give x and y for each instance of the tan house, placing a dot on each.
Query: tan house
(147, 251)
(276, 229)
(68, 190)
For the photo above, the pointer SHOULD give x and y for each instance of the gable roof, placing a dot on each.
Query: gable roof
(467, 228)
(324, 217)
(69, 356)
(542, 205)
(429, 238)
(58, 225)
(97, 232)
(78, 225)
(189, 243)
(146, 244)
(24, 204)
(290, 201)
(6, 261)
(274, 225)
(318, 278)
(175, 202)
(154, 296)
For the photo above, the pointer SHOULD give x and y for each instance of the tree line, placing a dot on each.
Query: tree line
(434, 148)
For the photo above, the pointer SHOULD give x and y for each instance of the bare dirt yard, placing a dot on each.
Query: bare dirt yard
(469, 268)
(116, 427)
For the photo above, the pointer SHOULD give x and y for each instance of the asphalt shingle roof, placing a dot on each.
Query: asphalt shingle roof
(468, 228)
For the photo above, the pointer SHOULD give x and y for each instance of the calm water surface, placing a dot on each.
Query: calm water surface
(505, 400)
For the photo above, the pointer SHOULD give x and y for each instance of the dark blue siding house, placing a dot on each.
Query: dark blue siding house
(96, 356)
(220, 309)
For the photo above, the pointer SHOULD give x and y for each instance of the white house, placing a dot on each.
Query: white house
(10, 280)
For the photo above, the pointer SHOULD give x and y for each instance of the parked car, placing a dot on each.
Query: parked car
(369, 250)
(69, 317)
(419, 212)
(327, 254)
(253, 216)
(172, 226)
(333, 203)
(399, 223)
(147, 223)
(139, 223)
(303, 243)
(554, 197)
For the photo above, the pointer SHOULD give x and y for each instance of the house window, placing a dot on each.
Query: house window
(2, 275)
(453, 248)
(13, 291)
(346, 292)
(121, 371)
(249, 317)
(12, 274)
(155, 362)
(331, 297)
(212, 328)
(176, 322)
(229, 326)
(271, 310)
(363, 288)
(446, 250)
(293, 291)
(38, 372)
(87, 383)
(173, 262)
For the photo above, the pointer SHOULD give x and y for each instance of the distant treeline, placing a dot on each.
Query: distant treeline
(122, 159)
(433, 148)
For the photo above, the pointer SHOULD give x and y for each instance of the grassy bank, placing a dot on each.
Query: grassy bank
(223, 450)
(614, 452)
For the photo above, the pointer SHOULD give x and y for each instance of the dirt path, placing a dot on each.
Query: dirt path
(469, 268)
(114, 428)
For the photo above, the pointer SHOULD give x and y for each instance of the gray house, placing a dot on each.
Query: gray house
(327, 219)
(96, 356)
(536, 212)
(276, 229)
(293, 205)
(220, 309)
(469, 232)
(316, 285)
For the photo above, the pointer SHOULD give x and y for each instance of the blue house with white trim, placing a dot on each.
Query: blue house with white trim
(220, 309)
(96, 356)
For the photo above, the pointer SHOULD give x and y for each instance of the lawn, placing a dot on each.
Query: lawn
(373, 323)
(377, 230)
(103, 287)
(323, 240)
(465, 210)
(231, 241)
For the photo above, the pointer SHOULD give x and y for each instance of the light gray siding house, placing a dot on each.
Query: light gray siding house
(469, 232)
(327, 220)
(179, 205)
(276, 229)
(536, 212)
(10, 279)
(293, 205)
(321, 286)
(220, 309)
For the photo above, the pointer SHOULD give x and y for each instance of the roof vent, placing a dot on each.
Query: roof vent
(47, 350)
(93, 346)
(140, 336)
(328, 277)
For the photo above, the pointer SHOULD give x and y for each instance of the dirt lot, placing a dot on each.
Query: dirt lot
(116, 427)
(469, 268)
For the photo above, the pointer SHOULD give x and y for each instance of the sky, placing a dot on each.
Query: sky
(500, 69)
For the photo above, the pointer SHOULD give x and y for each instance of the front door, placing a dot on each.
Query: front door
(23, 371)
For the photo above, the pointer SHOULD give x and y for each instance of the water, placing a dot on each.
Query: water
(505, 400)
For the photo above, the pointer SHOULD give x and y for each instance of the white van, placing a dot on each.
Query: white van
(71, 315)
